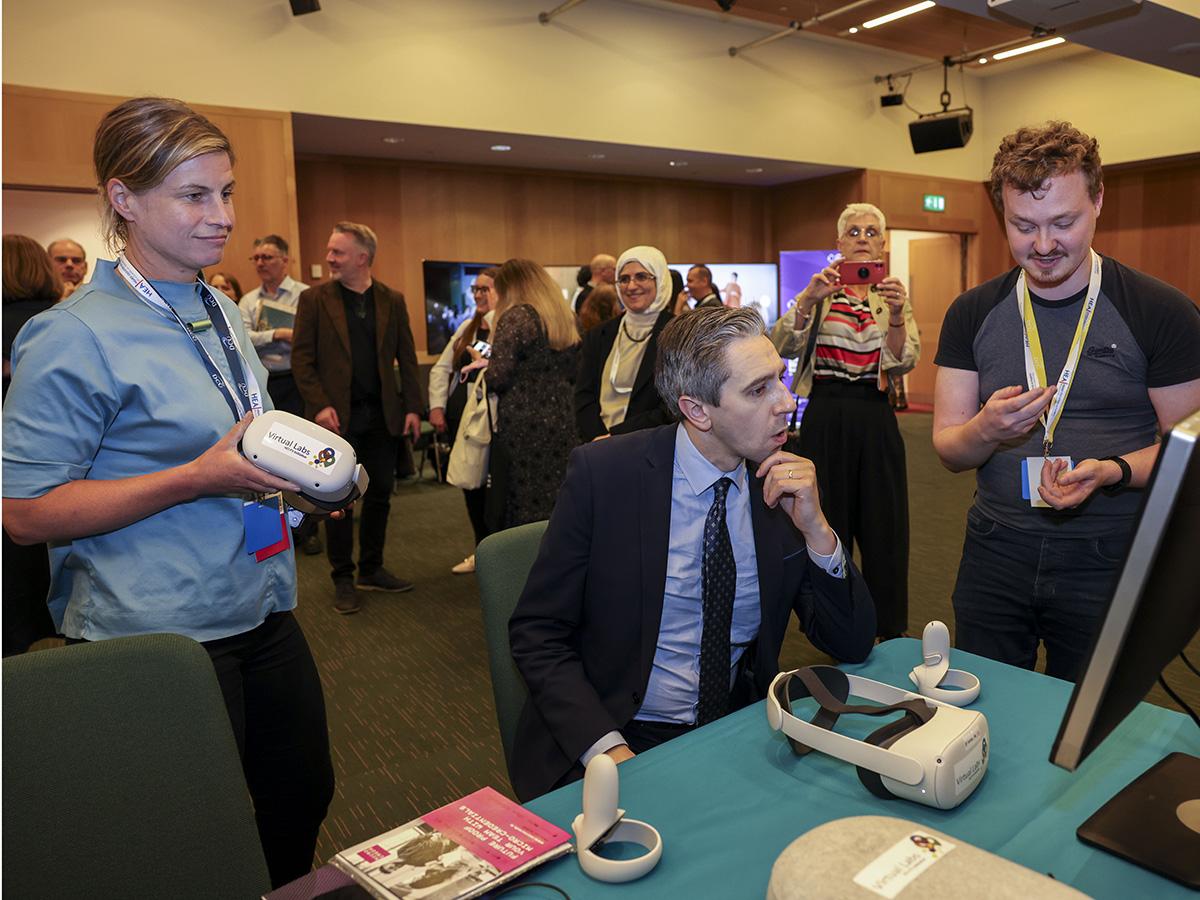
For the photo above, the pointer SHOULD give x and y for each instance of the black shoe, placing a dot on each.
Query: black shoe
(383, 580)
(312, 546)
(346, 599)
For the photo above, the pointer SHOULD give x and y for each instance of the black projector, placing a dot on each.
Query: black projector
(941, 131)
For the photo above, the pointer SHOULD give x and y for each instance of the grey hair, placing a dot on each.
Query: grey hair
(361, 233)
(273, 239)
(692, 353)
(860, 209)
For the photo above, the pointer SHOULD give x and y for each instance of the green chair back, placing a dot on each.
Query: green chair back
(122, 777)
(502, 564)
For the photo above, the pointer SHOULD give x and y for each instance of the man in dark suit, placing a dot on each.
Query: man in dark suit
(673, 561)
(349, 332)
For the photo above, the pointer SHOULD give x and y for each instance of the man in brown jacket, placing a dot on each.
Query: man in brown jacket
(349, 332)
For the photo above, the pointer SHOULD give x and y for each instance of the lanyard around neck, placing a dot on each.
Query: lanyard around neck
(1035, 365)
(246, 394)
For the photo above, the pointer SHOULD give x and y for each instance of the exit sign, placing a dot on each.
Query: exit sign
(935, 203)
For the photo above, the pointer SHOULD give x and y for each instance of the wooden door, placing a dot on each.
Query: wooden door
(935, 276)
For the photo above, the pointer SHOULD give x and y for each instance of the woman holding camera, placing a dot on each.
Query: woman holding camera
(850, 334)
(121, 432)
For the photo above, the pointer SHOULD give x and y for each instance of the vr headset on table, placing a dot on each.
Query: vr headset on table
(935, 753)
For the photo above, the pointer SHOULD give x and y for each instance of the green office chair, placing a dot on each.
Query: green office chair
(502, 564)
(122, 777)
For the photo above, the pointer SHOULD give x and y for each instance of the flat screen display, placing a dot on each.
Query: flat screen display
(448, 300)
(744, 284)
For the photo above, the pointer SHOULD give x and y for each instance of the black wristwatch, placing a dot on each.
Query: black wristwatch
(1126, 475)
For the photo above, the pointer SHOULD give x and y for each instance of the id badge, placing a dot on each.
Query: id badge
(1031, 477)
(262, 523)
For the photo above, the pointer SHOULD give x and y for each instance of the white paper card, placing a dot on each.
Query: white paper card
(902, 863)
(1032, 477)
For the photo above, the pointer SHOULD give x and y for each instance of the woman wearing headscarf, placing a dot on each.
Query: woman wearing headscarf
(614, 390)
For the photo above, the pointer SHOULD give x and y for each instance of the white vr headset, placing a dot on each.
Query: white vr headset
(935, 754)
(319, 461)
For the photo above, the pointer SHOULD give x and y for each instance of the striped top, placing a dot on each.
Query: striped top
(848, 344)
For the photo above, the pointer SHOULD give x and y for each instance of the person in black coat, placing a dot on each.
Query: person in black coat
(614, 388)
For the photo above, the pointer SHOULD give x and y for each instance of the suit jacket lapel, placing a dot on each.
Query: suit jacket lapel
(336, 309)
(383, 318)
(655, 533)
(768, 550)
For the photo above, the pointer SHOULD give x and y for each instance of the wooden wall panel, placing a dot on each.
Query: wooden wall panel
(804, 215)
(48, 145)
(422, 211)
(1151, 220)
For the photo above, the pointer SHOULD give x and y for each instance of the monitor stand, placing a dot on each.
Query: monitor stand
(1155, 820)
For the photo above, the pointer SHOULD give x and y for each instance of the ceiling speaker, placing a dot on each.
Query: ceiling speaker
(300, 7)
(943, 131)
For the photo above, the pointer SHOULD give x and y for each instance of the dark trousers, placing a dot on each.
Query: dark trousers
(272, 692)
(476, 509)
(1015, 589)
(26, 585)
(376, 450)
(849, 432)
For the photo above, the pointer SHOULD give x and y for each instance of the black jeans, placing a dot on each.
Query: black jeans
(476, 499)
(376, 450)
(1015, 589)
(272, 692)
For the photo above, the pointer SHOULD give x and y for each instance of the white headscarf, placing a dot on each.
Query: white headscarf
(652, 260)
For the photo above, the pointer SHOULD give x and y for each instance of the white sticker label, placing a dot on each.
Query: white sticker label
(970, 768)
(898, 866)
(299, 445)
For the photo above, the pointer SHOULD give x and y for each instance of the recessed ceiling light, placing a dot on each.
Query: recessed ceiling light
(756, 170)
(595, 156)
(501, 148)
(1028, 48)
(982, 60)
(900, 14)
(854, 29)
(678, 163)
(393, 140)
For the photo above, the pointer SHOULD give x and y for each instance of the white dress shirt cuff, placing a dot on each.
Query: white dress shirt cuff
(835, 563)
(606, 743)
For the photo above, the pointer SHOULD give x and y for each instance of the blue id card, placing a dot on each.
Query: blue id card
(263, 522)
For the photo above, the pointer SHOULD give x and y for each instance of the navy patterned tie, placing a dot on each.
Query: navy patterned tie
(718, 580)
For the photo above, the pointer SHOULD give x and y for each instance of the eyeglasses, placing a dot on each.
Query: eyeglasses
(263, 257)
(638, 278)
(854, 231)
(480, 289)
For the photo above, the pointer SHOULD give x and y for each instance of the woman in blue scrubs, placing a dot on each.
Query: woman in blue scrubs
(121, 432)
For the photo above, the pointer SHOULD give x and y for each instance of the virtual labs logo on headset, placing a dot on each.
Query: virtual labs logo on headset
(325, 458)
(935, 753)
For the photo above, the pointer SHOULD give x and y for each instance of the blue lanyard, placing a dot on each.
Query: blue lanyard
(247, 395)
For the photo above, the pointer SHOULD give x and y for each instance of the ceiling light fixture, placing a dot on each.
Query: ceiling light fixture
(1029, 48)
(501, 148)
(983, 60)
(854, 29)
(757, 170)
(678, 163)
(595, 156)
(393, 140)
(900, 14)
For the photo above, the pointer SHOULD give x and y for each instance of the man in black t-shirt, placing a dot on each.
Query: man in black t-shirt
(1054, 382)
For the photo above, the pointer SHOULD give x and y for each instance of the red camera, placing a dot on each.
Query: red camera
(862, 271)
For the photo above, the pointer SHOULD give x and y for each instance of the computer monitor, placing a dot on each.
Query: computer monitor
(744, 284)
(448, 300)
(1153, 613)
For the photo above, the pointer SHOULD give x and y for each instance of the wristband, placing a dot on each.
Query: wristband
(1126, 475)
(899, 324)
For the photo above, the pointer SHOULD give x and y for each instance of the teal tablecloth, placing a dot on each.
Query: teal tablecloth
(730, 797)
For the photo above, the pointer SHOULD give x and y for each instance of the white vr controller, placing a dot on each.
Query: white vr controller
(322, 463)
(601, 821)
(934, 678)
